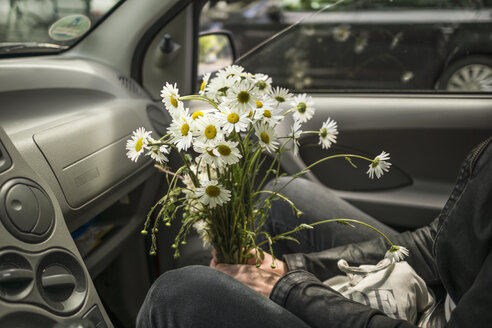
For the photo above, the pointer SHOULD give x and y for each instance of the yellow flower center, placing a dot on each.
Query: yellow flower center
(185, 128)
(233, 118)
(210, 132)
(323, 133)
(212, 191)
(265, 137)
(250, 113)
(224, 150)
(202, 87)
(139, 145)
(267, 113)
(375, 163)
(301, 107)
(174, 102)
(211, 153)
(243, 97)
(259, 104)
(196, 115)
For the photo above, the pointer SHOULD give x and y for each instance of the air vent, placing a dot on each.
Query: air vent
(129, 84)
(5, 161)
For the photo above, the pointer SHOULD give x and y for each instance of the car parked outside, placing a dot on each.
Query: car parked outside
(365, 45)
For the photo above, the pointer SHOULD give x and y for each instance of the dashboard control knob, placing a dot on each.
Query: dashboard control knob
(57, 282)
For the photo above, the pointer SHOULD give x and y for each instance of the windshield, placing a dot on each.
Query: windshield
(48, 26)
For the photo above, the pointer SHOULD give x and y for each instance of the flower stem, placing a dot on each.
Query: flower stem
(290, 110)
(355, 221)
(278, 195)
(202, 98)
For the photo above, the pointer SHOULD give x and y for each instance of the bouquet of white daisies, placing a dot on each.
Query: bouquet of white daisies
(218, 189)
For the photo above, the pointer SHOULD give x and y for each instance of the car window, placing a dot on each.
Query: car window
(47, 26)
(362, 45)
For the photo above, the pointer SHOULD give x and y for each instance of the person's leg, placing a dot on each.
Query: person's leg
(198, 296)
(317, 203)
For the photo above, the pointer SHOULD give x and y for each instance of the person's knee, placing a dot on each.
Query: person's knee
(176, 283)
(174, 295)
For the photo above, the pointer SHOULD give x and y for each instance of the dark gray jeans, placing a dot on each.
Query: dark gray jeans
(198, 296)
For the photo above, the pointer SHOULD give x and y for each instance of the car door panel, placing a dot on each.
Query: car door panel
(426, 136)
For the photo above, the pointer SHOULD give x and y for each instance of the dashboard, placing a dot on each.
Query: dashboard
(63, 129)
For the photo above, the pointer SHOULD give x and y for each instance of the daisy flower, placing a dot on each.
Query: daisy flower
(205, 79)
(157, 152)
(266, 137)
(341, 33)
(396, 253)
(296, 134)
(218, 87)
(233, 120)
(263, 82)
(379, 165)
(206, 156)
(170, 97)
(180, 130)
(267, 111)
(207, 130)
(231, 71)
(360, 43)
(304, 108)
(281, 95)
(328, 134)
(227, 152)
(212, 194)
(241, 96)
(137, 144)
(406, 76)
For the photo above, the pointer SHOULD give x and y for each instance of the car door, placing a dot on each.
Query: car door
(427, 132)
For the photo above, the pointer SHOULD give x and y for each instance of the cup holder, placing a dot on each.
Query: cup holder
(53, 279)
(61, 282)
(16, 277)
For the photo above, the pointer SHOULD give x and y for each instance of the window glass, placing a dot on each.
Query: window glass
(361, 45)
(47, 26)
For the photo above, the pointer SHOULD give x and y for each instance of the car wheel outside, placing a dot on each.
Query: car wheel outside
(470, 74)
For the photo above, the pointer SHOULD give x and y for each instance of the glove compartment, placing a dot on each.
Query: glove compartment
(88, 155)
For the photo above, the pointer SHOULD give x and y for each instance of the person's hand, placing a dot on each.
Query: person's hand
(265, 264)
(257, 279)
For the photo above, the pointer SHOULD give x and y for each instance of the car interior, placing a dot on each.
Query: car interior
(72, 204)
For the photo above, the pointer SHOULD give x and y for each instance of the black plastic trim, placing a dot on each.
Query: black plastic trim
(5, 161)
